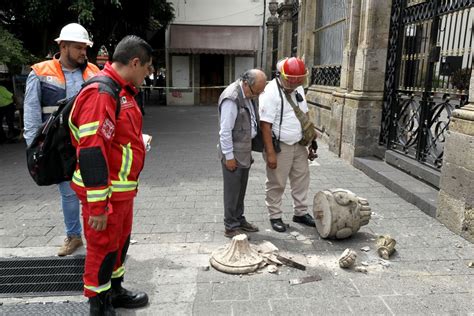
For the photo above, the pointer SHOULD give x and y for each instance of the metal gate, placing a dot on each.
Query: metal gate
(428, 69)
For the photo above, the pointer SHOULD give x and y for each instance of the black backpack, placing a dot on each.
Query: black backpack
(51, 157)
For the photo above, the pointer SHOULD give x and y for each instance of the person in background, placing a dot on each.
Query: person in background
(48, 82)
(7, 110)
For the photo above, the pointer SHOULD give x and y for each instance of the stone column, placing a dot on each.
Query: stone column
(284, 29)
(347, 75)
(363, 105)
(306, 26)
(272, 26)
(350, 49)
(456, 195)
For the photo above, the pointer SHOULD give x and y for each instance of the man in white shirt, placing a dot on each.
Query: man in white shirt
(290, 160)
(238, 121)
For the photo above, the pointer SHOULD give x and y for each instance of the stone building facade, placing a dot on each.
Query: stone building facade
(384, 85)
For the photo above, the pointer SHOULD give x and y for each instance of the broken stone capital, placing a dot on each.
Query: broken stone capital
(238, 257)
(339, 213)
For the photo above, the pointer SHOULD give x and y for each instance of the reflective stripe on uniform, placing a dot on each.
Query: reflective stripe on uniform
(49, 109)
(74, 129)
(117, 185)
(118, 273)
(98, 195)
(88, 129)
(127, 159)
(123, 186)
(100, 288)
(77, 178)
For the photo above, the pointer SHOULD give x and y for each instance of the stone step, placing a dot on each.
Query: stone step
(414, 191)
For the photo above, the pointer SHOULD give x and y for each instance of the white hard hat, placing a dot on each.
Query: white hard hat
(74, 32)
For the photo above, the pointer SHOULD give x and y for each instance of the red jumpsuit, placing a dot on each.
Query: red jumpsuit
(111, 154)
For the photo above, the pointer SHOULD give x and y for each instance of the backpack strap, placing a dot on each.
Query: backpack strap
(108, 85)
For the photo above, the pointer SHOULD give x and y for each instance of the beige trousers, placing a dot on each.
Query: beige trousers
(292, 163)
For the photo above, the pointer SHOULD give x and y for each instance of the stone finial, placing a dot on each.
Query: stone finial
(339, 213)
(272, 19)
(386, 246)
(273, 7)
(238, 257)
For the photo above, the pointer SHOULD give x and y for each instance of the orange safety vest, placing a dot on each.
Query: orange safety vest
(53, 82)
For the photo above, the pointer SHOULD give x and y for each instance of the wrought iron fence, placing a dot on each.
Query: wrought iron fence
(326, 75)
(429, 64)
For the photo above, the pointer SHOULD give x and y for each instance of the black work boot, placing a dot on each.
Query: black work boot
(126, 299)
(101, 305)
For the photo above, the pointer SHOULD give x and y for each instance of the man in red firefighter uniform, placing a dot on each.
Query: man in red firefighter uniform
(111, 154)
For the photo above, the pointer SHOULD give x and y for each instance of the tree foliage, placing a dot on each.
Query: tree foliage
(37, 23)
(12, 52)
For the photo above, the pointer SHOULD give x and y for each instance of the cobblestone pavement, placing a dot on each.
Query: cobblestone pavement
(178, 223)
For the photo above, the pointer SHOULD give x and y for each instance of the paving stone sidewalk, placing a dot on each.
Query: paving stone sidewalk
(178, 223)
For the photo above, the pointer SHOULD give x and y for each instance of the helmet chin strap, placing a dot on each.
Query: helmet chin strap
(281, 84)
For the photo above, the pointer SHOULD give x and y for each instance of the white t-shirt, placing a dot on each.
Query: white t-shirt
(270, 109)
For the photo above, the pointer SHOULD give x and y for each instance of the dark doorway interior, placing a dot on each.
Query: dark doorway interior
(211, 74)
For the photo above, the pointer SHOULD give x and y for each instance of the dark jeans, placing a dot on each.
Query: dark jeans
(235, 185)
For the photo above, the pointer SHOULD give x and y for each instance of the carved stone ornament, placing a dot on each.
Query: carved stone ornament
(238, 257)
(273, 7)
(386, 246)
(339, 213)
(348, 258)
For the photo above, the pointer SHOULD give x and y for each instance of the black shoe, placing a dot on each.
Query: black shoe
(278, 225)
(232, 232)
(248, 227)
(305, 220)
(101, 305)
(127, 299)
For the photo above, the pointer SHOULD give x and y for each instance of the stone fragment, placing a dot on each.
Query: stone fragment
(307, 279)
(386, 246)
(300, 238)
(291, 263)
(360, 269)
(294, 234)
(366, 248)
(266, 247)
(272, 268)
(347, 258)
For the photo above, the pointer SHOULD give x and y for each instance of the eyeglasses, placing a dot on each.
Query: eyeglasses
(251, 90)
(250, 87)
